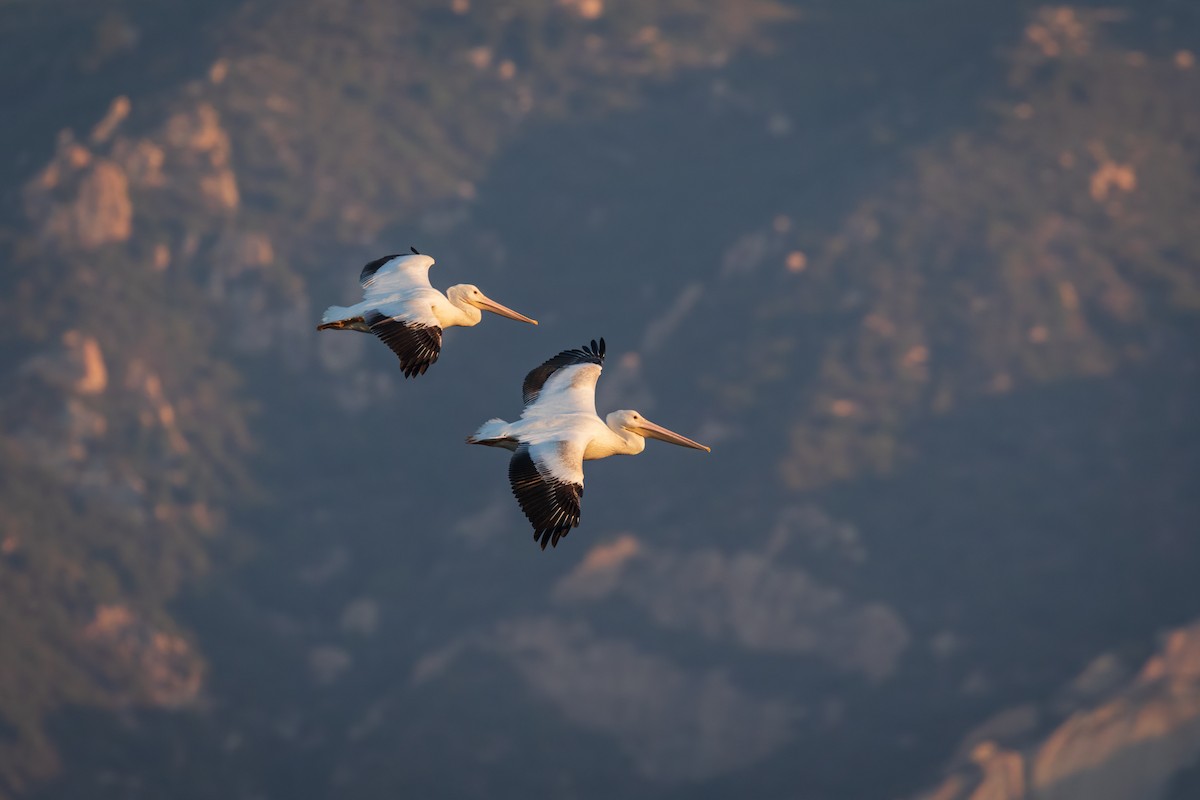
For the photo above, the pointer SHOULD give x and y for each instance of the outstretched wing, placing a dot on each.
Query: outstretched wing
(547, 480)
(394, 274)
(416, 342)
(565, 383)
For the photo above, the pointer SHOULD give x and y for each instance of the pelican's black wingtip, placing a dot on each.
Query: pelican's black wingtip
(550, 536)
(416, 252)
(595, 348)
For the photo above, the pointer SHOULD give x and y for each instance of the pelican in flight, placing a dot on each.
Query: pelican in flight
(407, 313)
(559, 430)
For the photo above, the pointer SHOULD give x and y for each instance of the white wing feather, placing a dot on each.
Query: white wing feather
(560, 459)
(570, 390)
(401, 275)
(413, 308)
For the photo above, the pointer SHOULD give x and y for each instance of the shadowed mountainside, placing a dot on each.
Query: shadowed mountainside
(925, 276)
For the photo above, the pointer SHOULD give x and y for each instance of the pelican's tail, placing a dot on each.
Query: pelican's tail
(493, 433)
(342, 318)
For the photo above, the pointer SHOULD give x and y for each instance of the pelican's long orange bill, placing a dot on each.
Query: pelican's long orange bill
(504, 311)
(648, 428)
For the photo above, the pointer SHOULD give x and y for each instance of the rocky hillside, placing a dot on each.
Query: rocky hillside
(925, 277)
(1126, 738)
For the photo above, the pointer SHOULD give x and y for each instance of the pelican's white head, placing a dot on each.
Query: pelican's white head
(466, 294)
(634, 422)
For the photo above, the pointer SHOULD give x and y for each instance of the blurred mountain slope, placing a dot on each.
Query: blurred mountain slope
(947, 361)
(140, 242)
(1129, 745)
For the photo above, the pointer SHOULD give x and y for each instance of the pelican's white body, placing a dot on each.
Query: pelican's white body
(559, 430)
(401, 289)
(407, 314)
(562, 427)
(566, 411)
(598, 436)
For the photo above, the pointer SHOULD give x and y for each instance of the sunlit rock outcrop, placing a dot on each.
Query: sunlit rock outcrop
(1060, 287)
(158, 667)
(202, 144)
(1130, 744)
(300, 116)
(747, 598)
(925, 242)
(80, 201)
(674, 724)
(119, 416)
(79, 366)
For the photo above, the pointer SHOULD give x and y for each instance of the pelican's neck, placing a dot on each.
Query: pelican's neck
(462, 314)
(624, 442)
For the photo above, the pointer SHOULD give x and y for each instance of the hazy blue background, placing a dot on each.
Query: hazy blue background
(924, 273)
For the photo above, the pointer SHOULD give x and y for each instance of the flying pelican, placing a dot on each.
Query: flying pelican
(559, 430)
(407, 313)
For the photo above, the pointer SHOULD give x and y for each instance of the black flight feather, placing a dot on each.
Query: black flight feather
(552, 506)
(417, 346)
(536, 379)
(371, 267)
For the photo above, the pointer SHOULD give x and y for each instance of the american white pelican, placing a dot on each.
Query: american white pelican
(559, 430)
(407, 313)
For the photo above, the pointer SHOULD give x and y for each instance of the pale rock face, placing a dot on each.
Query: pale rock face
(103, 212)
(142, 161)
(156, 411)
(169, 673)
(80, 202)
(587, 9)
(199, 130)
(220, 188)
(78, 367)
(673, 724)
(1003, 773)
(1059, 32)
(1128, 745)
(86, 351)
(82, 199)
(677, 724)
(201, 143)
(117, 112)
(745, 598)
